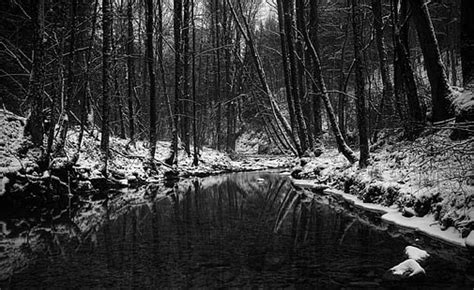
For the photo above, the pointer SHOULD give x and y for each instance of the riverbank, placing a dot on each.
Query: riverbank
(426, 184)
(126, 161)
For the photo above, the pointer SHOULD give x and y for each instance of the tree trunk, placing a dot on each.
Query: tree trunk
(195, 133)
(106, 80)
(440, 89)
(286, 74)
(387, 91)
(34, 123)
(405, 77)
(186, 97)
(69, 79)
(316, 99)
(362, 122)
(151, 74)
(178, 12)
(86, 102)
(277, 114)
(318, 78)
(300, 68)
(217, 81)
(467, 42)
(130, 71)
(288, 7)
(162, 68)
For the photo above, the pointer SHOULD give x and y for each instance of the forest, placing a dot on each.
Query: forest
(114, 102)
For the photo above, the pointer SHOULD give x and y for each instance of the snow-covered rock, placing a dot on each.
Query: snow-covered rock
(416, 254)
(3, 183)
(406, 269)
(469, 241)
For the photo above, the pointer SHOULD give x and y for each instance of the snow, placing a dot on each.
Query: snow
(462, 100)
(430, 177)
(416, 254)
(126, 160)
(426, 225)
(407, 268)
(470, 241)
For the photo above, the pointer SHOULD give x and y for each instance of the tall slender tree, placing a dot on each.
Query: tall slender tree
(288, 8)
(286, 74)
(178, 78)
(467, 42)
(319, 80)
(34, 123)
(130, 70)
(387, 93)
(106, 80)
(316, 94)
(440, 89)
(186, 95)
(362, 123)
(193, 77)
(151, 74)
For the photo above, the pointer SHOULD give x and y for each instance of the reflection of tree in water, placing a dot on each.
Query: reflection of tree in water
(236, 230)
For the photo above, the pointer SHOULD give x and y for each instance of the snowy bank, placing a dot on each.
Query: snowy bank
(425, 185)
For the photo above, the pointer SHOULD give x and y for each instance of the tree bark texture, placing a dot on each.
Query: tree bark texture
(34, 124)
(318, 78)
(467, 42)
(362, 122)
(151, 74)
(106, 79)
(130, 70)
(440, 90)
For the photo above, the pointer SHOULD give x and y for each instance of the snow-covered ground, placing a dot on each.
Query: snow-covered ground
(427, 184)
(126, 160)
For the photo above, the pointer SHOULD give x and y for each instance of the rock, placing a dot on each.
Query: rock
(469, 241)
(132, 178)
(3, 184)
(406, 269)
(296, 172)
(260, 180)
(416, 254)
(408, 212)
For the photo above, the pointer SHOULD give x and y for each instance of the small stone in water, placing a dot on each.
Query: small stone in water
(416, 254)
(406, 269)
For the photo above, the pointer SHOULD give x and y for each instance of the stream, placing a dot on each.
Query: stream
(236, 230)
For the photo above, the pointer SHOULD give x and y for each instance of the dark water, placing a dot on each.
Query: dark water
(239, 230)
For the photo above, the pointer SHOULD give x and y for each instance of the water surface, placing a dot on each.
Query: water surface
(235, 230)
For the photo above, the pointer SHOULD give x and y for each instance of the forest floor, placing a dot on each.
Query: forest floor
(126, 160)
(429, 179)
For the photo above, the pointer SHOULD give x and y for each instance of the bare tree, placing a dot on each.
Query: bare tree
(286, 74)
(106, 80)
(151, 73)
(318, 79)
(467, 42)
(34, 123)
(359, 85)
(387, 93)
(288, 7)
(440, 89)
(130, 70)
